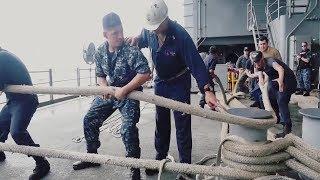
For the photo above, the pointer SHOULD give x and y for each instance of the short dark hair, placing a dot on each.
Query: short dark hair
(256, 56)
(111, 20)
(264, 38)
(213, 50)
(305, 42)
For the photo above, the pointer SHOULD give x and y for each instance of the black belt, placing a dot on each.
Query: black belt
(176, 76)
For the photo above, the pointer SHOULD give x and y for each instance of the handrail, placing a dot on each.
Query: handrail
(65, 80)
(48, 80)
(252, 22)
(277, 10)
(34, 72)
(86, 69)
(271, 4)
(40, 83)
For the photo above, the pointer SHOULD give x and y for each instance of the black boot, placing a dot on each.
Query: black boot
(2, 156)
(151, 172)
(286, 130)
(83, 165)
(135, 174)
(41, 170)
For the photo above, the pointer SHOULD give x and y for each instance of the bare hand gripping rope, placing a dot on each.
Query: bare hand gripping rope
(141, 96)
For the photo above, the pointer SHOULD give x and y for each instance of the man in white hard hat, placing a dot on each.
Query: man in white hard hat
(175, 57)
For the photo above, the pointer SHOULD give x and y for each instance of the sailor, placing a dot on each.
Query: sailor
(175, 57)
(128, 69)
(210, 61)
(304, 70)
(282, 84)
(267, 51)
(16, 115)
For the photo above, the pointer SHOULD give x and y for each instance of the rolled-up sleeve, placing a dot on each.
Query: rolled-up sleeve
(99, 70)
(194, 62)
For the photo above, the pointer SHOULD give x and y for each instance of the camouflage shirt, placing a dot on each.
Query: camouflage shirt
(123, 66)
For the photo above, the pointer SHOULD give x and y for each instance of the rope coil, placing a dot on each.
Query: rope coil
(271, 157)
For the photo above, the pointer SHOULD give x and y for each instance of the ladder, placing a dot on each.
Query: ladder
(257, 27)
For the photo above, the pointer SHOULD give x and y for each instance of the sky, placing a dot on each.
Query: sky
(52, 33)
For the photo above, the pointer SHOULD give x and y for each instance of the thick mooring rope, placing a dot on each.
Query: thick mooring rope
(271, 157)
(130, 162)
(244, 159)
(141, 96)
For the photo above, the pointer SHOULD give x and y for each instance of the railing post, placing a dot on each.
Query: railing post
(50, 83)
(278, 9)
(78, 76)
(90, 75)
(319, 88)
(95, 77)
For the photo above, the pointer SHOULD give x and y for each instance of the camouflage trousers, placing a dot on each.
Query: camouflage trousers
(304, 79)
(100, 110)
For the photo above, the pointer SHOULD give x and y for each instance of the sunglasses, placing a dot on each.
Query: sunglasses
(303, 46)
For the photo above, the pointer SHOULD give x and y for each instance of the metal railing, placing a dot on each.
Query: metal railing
(298, 6)
(278, 8)
(47, 78)
(252, 23)
(275, 9)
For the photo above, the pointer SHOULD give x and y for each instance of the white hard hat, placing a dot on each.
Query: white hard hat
(157, 12)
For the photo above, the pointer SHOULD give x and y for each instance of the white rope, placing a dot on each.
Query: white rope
(130, 162)
(162, 164)
(141, 96)
(279, 155)
(232, 145)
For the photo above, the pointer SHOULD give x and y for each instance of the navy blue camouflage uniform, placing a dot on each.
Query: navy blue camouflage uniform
(121, 67)
(173, 62)
(304, 72)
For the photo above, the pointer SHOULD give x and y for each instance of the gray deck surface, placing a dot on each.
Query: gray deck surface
(56, 125)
